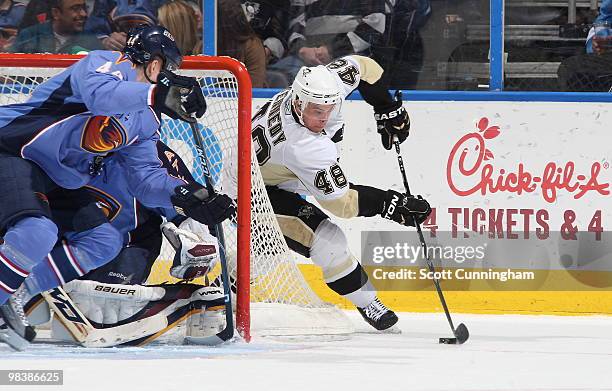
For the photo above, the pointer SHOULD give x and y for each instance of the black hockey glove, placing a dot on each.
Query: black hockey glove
(179, 97)
(193, 201)
(402, 209)
(392, 120)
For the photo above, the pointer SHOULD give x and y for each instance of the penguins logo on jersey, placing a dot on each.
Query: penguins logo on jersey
(306, 211)
(102, 134)
(110, 206)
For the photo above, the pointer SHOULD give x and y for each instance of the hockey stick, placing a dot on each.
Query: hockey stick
(85, 334)
(228, 331)
(461, 332)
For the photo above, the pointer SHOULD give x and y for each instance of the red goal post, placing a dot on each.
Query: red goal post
(243, 152)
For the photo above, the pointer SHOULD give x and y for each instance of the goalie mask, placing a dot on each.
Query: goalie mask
(315, 87)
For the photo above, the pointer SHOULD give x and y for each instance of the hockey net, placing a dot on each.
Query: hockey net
(272, 297)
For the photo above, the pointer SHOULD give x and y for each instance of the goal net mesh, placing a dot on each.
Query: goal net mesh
(282, 302)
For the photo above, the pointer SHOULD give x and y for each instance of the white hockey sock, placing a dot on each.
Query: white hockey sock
(362, 296)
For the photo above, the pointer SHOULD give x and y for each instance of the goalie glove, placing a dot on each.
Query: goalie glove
(392, 120)
(405, 209)
(194, 256)
(179, 97)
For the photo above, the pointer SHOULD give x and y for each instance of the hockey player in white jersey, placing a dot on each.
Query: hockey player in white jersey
(295, 136)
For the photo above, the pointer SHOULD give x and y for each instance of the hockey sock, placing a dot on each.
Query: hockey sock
(61, 265)
(355, 287)
(74, 257)
(25, 244)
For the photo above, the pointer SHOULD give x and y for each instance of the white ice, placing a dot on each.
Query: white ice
(503, 353)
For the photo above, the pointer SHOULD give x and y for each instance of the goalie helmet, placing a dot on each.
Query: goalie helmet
(144, 43)
(314, 85)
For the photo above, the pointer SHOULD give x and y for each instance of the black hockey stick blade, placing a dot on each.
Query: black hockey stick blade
(461, 335)
(461, 332)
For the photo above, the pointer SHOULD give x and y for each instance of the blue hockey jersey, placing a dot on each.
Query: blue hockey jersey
(112, 193)
(91, 110)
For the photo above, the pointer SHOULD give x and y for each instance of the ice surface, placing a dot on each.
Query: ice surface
(504, 353)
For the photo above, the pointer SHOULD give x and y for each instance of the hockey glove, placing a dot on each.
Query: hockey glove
(402, 209)
(392, 120)
(179, 97)
(193, 201)
(194, 256)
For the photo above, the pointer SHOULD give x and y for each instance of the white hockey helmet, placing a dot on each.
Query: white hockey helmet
(314, 85)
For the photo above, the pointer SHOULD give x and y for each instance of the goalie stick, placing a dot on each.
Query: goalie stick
(228, 332)
(461, 332)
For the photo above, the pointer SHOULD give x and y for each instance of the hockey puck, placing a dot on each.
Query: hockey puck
(448, 341)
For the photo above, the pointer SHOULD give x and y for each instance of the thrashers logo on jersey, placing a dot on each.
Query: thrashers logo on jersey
(102, 134)
(110, 206)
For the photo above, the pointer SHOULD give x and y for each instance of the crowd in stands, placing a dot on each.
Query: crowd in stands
(274, 38)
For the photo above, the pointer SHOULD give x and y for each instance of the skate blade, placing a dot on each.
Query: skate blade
(12, 339)
(370, 330)
(391, 330)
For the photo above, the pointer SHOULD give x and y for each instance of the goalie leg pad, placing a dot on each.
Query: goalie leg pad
(186, 310)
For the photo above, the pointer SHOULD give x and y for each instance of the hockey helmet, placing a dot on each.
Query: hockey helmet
(314, 85)
(144, 43)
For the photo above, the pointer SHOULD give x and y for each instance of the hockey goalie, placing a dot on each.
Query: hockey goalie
(111, 306)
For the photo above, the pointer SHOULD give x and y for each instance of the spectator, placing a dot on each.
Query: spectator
(401, 54)
(181, 20)
(591, 72)
(237, 39)
(111, 19)
(322, 30)
(11, 13)
(197, 8)
(268, 20)
(36, 12)
(62, 34)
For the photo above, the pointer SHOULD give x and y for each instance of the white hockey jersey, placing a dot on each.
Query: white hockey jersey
(294, 158)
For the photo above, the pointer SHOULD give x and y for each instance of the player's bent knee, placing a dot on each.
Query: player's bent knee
(33, 235)
(42, 231)
(111, 240)
(101, 244)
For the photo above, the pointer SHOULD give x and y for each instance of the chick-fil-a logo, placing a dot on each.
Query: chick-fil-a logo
(470, 161)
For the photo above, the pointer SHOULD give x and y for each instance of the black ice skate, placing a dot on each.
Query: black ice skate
(378, 316)
(16, 331)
